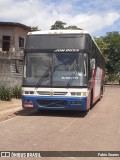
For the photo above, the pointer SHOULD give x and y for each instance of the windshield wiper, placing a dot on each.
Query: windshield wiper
(46, 74)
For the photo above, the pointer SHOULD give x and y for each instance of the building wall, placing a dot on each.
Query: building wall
(6, 31)
(11, 72)
(11, 61)
(19, 32)
(14, 33)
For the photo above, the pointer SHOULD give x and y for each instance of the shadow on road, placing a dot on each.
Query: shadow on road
(54, 113)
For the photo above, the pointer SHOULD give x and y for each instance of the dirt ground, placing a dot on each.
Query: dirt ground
(9, 104)
(10, 109)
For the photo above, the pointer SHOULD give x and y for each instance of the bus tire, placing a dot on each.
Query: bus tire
(91, 100)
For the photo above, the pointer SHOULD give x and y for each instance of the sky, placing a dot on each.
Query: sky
(95, 16)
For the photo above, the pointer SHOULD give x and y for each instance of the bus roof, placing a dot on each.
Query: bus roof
(58, 32)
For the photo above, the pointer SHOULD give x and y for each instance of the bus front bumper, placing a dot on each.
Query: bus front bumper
(55, 103)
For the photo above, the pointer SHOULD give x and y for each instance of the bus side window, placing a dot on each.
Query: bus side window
(92, 63)
(85, 69)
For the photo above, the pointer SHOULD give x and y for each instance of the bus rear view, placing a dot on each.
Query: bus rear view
(61, 71)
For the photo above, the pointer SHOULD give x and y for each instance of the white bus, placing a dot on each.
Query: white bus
(63, 70)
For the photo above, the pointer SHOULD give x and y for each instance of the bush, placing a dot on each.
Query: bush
(16, 92)
(5, 93)
(112, 78)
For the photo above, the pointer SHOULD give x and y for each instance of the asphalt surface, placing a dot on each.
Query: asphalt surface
(99, 130)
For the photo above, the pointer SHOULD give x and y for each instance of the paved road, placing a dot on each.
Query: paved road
(99, 130)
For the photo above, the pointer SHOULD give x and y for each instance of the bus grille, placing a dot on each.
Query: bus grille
(52, 103)
(49, 93)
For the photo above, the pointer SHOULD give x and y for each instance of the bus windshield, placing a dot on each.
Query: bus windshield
(55, 69)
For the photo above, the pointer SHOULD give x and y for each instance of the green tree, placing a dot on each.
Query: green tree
(58, 25)
(110, 47)
(113, 41)
(61, 25)
(73, 28)
(35, 28)
(103, 47)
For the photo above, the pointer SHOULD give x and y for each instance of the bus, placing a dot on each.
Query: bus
(63, 70)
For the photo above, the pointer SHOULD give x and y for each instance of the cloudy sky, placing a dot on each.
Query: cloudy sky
(95, 16)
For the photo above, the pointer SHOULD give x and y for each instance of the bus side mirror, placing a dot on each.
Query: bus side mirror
(92, 63)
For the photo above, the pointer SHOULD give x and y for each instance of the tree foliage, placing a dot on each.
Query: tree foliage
(58, 25)
(73, 28)
(103, 47)
(61, 25)
(113, 41)
(110, 47)
(35, 28)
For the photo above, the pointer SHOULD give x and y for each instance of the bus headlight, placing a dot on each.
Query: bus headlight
(84, 94)
(75, 93)
(28, 92)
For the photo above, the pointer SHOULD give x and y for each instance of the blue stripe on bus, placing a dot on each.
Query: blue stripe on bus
(72, 103)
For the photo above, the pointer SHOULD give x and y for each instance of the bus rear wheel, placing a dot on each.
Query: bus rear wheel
(91, 100)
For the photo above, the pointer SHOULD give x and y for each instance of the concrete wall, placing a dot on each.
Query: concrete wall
(6, 71)
(10, 80)
(7, 74)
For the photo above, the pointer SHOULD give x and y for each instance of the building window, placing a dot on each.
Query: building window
(21, 42)
(6, 43)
